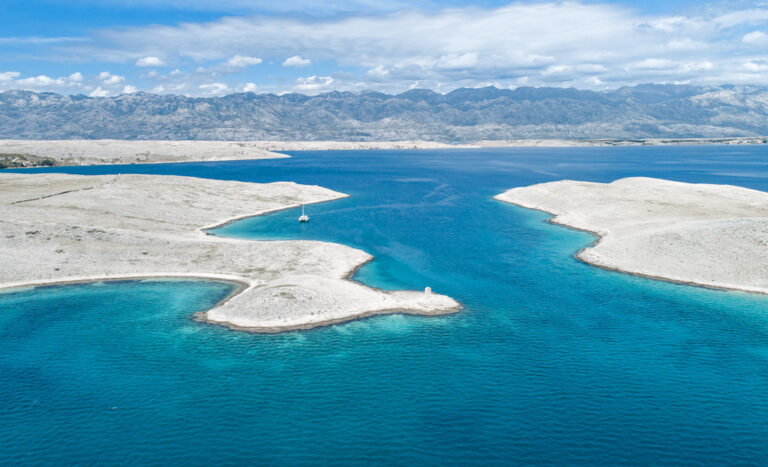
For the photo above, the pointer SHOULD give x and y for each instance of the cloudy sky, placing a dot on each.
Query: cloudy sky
(206, 47)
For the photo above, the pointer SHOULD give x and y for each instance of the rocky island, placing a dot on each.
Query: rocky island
(708, 235)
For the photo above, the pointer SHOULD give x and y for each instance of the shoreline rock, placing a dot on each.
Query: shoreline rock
(714, 236)
(71, 228)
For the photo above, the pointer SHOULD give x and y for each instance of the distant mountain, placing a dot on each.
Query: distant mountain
(464, 115)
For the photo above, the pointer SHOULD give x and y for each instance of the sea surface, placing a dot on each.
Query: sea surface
(551, 362)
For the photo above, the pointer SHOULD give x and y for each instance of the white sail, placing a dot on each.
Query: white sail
(303, 217)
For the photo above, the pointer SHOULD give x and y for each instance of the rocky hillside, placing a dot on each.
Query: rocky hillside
(464, 115)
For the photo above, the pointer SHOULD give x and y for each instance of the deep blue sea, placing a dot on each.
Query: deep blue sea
(551, 362)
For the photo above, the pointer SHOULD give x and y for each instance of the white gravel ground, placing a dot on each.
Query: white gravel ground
(95, 152)
(61, 228)
(709, 235)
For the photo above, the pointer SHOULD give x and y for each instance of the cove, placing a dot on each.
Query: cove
(551, 361)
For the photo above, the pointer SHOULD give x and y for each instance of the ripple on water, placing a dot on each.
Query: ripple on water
(552, 361)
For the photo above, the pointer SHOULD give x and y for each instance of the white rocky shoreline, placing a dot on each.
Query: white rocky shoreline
(31, 153)
(70, 228)
(713, 236)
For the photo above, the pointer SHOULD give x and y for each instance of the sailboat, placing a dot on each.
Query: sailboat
(303, 217)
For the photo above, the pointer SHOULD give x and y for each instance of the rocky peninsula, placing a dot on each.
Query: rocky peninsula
(708, 235)
(60, 228)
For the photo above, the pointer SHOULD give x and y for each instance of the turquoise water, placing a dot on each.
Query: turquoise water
(552, 361)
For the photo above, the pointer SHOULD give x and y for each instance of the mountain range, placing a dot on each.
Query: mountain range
(460, 116)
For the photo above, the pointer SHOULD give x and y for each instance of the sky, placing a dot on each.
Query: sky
(210, 48)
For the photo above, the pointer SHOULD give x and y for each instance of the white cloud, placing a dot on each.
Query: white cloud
(704, 65)
(511, 33)
(312, 84)
(738, 17)
(41, 81)
(114, 79)
(239, 61)
(755, 38)
(9, 75)
(457, 62)
(755, 67)
(150, 60)
(651, 64)
(672, 24)
(98, 92)
(214, 89)
(685, 44)
(128, 89)
(542, 42)
(297, 61)
(558, 70)
(551, 43)
(109, 79)
(591, 68)
(235, 64)
(37, 40)
(250, 87)
(594, 81)
(378, 73)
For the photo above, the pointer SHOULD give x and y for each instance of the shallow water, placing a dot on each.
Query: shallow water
(552, 361)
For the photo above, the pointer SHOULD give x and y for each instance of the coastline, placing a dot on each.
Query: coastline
(738, 140)
(118, 241)
(41, 153)
(61, 153)
(37, 153)
(220, 224)
(598, 237)
(202, 316)
(240, 286)
(588, 256)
